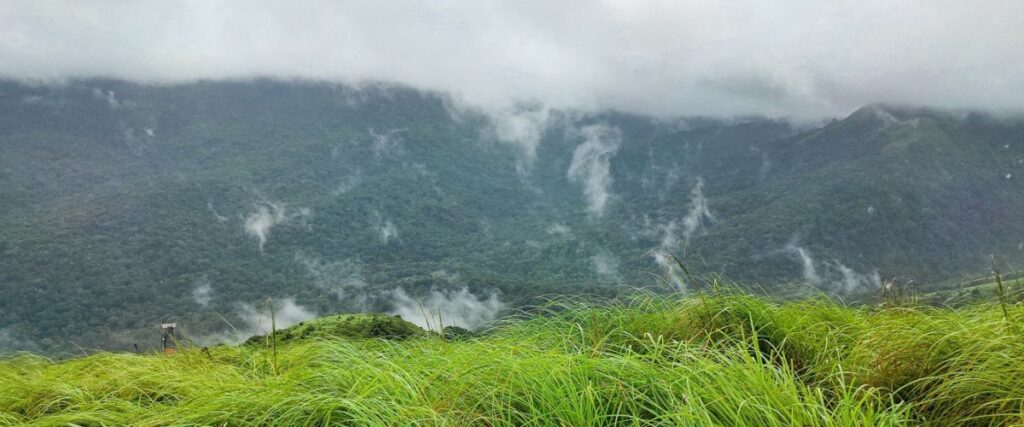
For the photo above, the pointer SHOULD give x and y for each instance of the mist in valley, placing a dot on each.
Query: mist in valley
(457, 165)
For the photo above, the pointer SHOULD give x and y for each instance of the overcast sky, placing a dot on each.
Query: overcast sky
(779, 58)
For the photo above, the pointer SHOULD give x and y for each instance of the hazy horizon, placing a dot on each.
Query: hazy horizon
(664, 59)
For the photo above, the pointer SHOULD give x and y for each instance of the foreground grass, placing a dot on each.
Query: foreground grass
(724, 360)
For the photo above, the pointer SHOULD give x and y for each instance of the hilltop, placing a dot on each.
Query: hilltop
(344, 326)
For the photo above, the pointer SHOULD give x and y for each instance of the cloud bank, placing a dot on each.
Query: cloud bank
(713, 57)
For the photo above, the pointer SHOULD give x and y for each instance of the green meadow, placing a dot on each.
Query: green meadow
(719, 358)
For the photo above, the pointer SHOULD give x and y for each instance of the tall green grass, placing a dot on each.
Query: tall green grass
(725, 359)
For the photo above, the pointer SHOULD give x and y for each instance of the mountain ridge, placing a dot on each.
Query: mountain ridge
(120, 201)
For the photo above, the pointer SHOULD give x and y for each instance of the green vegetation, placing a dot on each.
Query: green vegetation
(979, 290)
(114, 215)
(726, 359)
(345, 326)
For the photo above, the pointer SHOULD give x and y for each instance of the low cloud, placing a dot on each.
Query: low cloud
(385, 229)
(558, 229)
(522, 127)
(451, 303)
(808, 270)
(699, 214)
(668, 242)
(259, 223)
(669, 233)
(386, 144)
(766, 163)
(673, 237)
(342, 278)
(853, 282)
(202, 293)
(591, 165)
(606, 265)
(347, 184)
(220, 218)
(256, 319)
(833, 277)
(267, 215)
(671, 272)
(108, 96)
(440, 308)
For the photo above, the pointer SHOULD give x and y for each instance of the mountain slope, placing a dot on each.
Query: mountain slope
(126, 205)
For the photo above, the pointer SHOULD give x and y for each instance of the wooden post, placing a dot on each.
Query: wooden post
(167, 343)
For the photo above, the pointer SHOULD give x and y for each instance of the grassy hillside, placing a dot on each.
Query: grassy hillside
(702, 360)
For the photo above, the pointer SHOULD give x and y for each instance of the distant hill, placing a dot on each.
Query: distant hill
(124, 205)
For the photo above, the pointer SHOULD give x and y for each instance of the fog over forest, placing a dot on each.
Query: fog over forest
(453, 162)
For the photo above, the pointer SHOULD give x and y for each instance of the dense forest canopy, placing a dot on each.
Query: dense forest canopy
(123, 205)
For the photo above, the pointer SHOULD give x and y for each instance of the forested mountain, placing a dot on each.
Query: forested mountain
(125, 205)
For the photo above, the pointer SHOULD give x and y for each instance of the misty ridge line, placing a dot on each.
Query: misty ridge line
(706, 58)
(521, 123)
